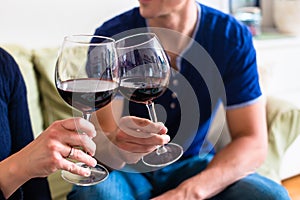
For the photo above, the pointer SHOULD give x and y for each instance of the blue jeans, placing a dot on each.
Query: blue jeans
(142, 186)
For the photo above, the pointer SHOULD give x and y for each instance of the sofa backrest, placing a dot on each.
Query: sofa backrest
(37, 67)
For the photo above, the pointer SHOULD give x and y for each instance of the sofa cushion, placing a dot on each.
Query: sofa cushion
(54, 108)
(23, 58)
(59, 188)
(283, 129)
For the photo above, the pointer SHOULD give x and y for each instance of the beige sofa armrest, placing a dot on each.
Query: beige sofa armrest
(283, 120)
(283, 128)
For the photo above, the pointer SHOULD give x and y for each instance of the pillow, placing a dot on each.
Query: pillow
(283, 128)
(23, 58)
(53, 106)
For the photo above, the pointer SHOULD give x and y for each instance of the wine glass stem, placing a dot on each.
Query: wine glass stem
(150, 106)
(86, 115)
(151, 110)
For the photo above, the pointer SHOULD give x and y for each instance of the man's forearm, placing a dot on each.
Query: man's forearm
(237, 160)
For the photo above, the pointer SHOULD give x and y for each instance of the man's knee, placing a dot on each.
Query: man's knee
(254, 187)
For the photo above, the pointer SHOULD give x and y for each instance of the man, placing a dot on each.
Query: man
(184, 26)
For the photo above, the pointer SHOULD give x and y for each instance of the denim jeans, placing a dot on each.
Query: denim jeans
(142, 186)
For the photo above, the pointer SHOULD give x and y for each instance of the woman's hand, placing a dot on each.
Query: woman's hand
(51, 150)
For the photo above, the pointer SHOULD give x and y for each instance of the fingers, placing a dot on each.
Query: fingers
(76, 132)
(71, 153)
(140, 135)
(87, 144)
(79, 155)
(140, 145)
(75, 168)
(54, 148)
(140, 127)
(79, 124)
(83, 138)
(136, 147)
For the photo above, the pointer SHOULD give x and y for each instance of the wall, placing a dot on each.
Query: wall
(222, 5)
(267, 13)
(38, 23)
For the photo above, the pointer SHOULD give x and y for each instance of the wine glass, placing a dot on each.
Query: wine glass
(144, 76)
(86, 79)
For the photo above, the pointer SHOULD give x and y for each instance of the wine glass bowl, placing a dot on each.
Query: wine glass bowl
(144, 71)
(86, 79)
(144, 76)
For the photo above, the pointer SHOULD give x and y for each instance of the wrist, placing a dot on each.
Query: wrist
(12, 176)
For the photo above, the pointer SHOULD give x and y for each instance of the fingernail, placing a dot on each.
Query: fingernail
(94, 134)
(166, 129)
(87, 173)
(168, 138)
(94, 162)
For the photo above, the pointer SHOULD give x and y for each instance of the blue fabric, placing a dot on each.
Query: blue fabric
(135, 186)
(15, 125)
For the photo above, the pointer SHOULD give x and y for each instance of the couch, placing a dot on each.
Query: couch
(45, 106)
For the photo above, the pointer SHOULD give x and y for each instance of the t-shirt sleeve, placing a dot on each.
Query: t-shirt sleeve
(241, 78)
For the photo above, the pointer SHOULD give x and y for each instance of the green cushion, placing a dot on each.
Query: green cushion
(59, 188)
(54, 108)
(283, 129)
(23, 57)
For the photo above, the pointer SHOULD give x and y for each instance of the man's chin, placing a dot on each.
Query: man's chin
(146, 13)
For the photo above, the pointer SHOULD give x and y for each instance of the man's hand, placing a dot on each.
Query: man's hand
(187, 190)
(136, 137)
(133, 138)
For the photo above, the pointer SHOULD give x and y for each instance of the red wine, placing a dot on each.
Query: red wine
(87, 95)
(141, 90)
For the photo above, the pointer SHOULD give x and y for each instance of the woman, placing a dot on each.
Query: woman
(25, 162)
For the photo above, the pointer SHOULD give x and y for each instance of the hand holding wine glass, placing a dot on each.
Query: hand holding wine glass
(85, 77)
(144, 76)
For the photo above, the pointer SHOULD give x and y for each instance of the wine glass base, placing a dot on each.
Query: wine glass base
(153, 159)
(98, 174)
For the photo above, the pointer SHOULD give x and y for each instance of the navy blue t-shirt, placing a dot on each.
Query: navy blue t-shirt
(219, 65)
(15, 125)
